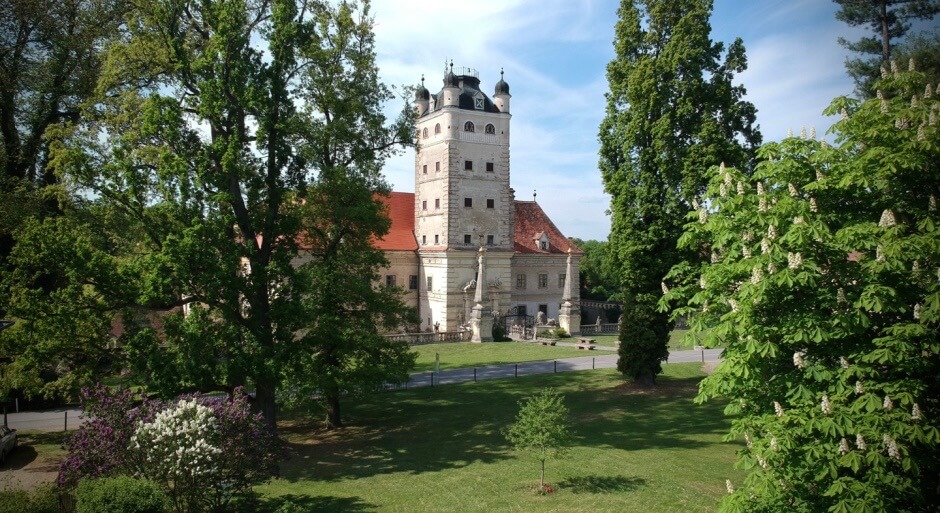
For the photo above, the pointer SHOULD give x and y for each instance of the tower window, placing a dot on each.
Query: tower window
(437, 165)
(489, 167)
(437, 129)
(520, 281)
(424, 133)
(468, 202)
(424, 169)
(424, 240)
(468, 165)
(561, 281)
(490, 203)
(489, 129)
(390, 280)
(467, 239)
(543, 281)
(430, 281)
(436, 240)
(413, 282)
(424, 204)
(437, 203)
(468, 126)
(489, 240)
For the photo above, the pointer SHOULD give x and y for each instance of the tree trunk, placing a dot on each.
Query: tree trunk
(885, 35)
(542, 477)
(265, 402)
(333, 418)
(646, 380)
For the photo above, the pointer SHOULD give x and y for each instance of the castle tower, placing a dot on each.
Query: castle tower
(462, 197)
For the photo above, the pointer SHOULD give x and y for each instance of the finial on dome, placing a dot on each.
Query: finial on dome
(534, 194)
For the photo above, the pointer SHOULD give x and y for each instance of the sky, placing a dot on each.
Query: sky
(555, 53)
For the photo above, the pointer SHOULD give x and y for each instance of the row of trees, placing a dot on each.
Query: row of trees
(813, 265)
(220, 155)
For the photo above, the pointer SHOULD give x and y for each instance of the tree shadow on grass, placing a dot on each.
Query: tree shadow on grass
(602, 484)
(308, 504)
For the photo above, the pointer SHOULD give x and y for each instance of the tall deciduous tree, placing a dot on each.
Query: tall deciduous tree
(889, 20)
(826, 298)
(218, 120)
(672, 109)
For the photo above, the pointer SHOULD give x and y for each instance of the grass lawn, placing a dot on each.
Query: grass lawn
(675, 340)
(440, 449)
(468, 354)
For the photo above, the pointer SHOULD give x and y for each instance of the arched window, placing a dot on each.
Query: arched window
(437, 129)
(468, 126)
(490, 129)
(424, 133)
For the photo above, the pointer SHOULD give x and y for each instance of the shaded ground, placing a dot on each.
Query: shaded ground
(34, 461)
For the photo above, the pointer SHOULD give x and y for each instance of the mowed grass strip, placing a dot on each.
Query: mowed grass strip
(468, 354)
(441, 449)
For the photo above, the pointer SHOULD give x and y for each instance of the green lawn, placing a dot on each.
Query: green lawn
(676, 342)
(468, 354)
(440, 449)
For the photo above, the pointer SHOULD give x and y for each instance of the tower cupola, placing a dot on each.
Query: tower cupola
(501, 95)
(451, 91)
(422, 97)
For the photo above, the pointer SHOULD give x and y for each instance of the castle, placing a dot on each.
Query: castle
(463, 216)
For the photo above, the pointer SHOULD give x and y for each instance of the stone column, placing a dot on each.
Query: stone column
(569, 316)
(481, 317)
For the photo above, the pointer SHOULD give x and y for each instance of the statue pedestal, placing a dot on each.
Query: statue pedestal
(481, 324)
(569, 318)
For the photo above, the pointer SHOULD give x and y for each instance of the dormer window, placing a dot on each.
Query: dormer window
(478, 103)
(468, 126)
(541, 241)
(489, 129)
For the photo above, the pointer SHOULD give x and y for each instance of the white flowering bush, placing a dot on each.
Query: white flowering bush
(831, 320)
(180, 448)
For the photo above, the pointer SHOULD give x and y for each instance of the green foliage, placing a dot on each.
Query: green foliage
(599, 278)
(672, 110)
(641, 352)
(42, 499)
(889, 20)
(541, 428)
(824, 293)
(120, 494)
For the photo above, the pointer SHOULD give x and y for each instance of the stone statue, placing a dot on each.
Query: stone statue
(540, 318)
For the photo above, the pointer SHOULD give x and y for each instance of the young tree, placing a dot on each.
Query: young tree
(208, 150)
(824, 293)
(541, 428)
(889, 20)
(672, 109)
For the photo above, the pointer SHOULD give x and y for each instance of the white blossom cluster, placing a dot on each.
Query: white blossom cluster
(773, 443)
(888, 404)
(734, 305)
(859, 388)
(761, 198)
(765, 246)
(892, 446)
(915, 413)
(771, 232)
(793, 191)
(665, 288)
(794, 260)
(813, 206)
(799, 360)
(176, 443)
(860, 442)
(825, 405)
(778, 410)
(887, 219)
(746, 251)
(843, 446)
(757, 274)
(798, 220)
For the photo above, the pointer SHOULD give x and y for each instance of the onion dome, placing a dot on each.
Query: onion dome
(450, 80)
(422, 93)
(501, 87)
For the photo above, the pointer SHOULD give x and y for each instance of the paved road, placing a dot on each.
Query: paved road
(55, 420)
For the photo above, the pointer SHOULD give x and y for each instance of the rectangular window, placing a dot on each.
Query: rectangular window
(468, 202)
(489, 167)
(424, 240)
(389, 280)
(435, 240)
(413, 282)
(437, 165)
(429, 282)
(489, 240)
(424, 205)
(490, 203)
(543, 281)
(467, 239)
(437, 203)
(544, 309)
(425, 169)
(520, 281)
(468, 165)
(561, 281)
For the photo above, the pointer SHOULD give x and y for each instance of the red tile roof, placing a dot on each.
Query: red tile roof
(400, 207)
(531, 223)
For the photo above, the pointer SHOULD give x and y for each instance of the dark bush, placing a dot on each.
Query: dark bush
(120, 494)
(42, 499)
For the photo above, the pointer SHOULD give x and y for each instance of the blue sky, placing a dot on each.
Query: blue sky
(555, 53)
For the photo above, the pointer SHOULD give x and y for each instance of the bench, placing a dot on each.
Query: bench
(585, 343)
(547, 342)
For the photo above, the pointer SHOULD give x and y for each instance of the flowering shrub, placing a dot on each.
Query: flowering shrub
(824, 291)
(202, 451)
(179, 448)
